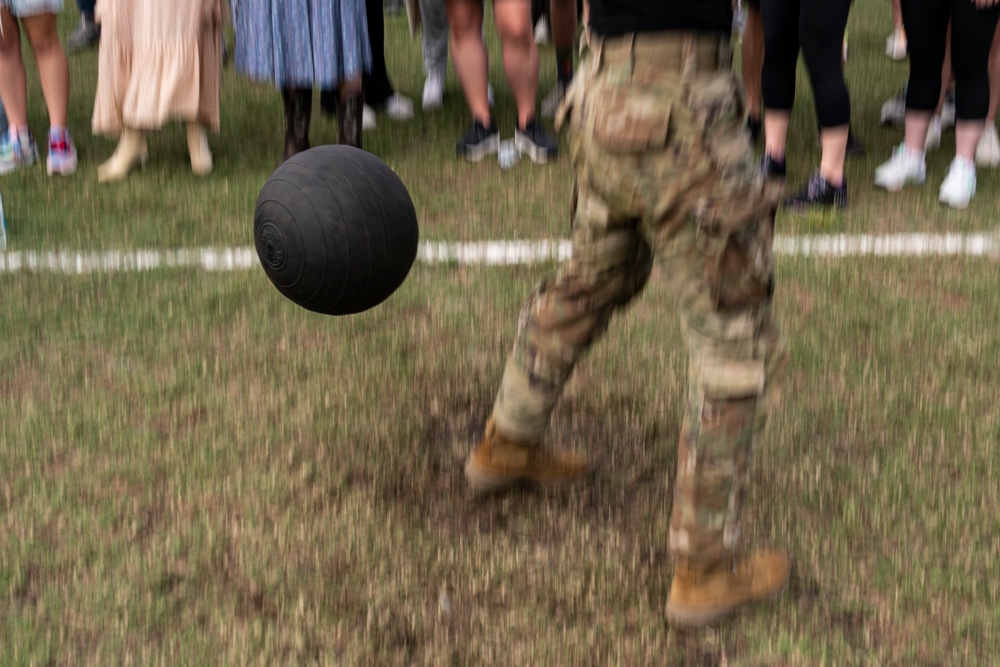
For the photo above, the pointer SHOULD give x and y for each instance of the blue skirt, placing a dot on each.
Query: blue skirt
(301, 43)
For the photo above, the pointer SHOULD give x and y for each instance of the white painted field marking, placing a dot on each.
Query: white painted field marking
(489, 253)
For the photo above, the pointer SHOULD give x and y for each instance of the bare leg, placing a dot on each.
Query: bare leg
(520, 54)
(753, 61)
(53, 69)
(775, 133)
(468, 54)
(833, 141)
(967, 133)
(13, 83)
(916, 125)
(562, 16)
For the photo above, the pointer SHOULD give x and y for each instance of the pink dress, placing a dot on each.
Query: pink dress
(158, 61)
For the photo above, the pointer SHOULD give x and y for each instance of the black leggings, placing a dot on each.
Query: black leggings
(972, 29)
(818, 29)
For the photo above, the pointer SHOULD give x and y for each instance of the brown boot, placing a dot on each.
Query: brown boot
(701, 595)
(498, 463)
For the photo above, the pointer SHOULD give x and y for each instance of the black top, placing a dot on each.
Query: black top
(613, 17)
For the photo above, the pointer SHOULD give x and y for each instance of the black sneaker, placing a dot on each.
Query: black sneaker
(819, 192)
(754, 129)
(771, 168)
(535, 142)
(478, 142)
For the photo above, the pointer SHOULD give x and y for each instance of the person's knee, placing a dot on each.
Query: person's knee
(44, 42)
(513, 21)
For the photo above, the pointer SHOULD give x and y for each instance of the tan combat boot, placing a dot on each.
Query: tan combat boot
(701, 595)
(497, 463)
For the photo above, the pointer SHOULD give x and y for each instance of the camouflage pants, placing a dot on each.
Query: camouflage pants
(664, 172)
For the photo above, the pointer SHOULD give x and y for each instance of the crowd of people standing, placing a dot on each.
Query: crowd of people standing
(162, 62)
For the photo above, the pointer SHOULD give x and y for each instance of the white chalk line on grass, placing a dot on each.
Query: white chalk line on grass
(488, 253)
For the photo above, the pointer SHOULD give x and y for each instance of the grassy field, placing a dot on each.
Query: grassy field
(194, 471)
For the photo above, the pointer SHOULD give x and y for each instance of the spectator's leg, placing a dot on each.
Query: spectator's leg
(752, 64)
(520, 55)
(434, 43)
(468, 55)
(821, 33)
(562, 16)
(377, 87)
(975, 28)
(13, 83)
(781, 54)
(88, 32)
(53, 69)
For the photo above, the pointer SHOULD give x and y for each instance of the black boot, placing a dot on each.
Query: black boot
(328, 102)
(298, 109)
(349, 115)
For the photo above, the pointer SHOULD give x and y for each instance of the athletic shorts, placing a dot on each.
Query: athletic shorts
(32, 7)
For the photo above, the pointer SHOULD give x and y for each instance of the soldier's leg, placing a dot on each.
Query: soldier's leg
(610, 264)
(736, 363)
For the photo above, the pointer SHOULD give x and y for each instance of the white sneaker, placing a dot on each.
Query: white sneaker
(933, 139)
(368, 119)
(399, 107)
(960, 184)
(542, 31)
(895, 44)
(433, 96)
(905, 166)
(988, 148)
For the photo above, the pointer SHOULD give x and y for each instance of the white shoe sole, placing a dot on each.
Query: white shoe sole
(487, 147)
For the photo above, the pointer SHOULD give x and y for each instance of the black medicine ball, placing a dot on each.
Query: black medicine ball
(335, 230)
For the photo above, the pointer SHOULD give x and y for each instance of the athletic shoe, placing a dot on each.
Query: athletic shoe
(895, 44)
(433, 96)
(771, 168)
(478, 142)
(86, 35)
(535, 142)
(894, 109)
(555, 98)
(62, 152)
(542, 31)
(904, 167)
(368, 121)
(398, 107)
(988, 148)
(819, 192)
(933, 140)
(959, 185)
(17, 150)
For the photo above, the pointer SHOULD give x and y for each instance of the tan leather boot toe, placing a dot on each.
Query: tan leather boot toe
(701, 595)
(498, 463)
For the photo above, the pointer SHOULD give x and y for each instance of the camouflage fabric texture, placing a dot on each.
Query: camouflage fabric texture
(664, 172)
